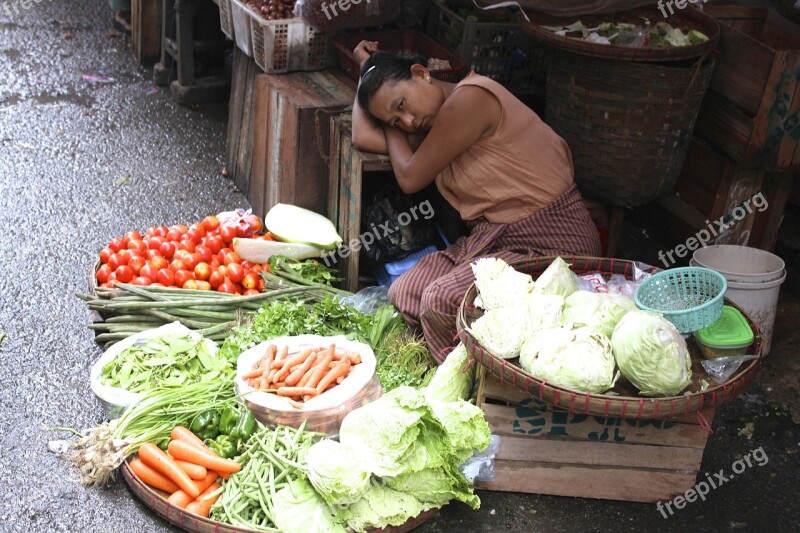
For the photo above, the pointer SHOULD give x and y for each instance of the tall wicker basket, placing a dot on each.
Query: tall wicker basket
(627, 123)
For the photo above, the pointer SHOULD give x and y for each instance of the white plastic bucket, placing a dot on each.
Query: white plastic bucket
(740, 263)
(753, 284)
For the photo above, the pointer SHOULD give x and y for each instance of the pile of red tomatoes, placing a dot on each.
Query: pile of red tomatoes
(198, 257)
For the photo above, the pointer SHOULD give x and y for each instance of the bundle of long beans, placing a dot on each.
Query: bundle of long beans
(128, 309)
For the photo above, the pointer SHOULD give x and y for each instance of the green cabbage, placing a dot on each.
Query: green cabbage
(299, 509)
(465, 425)
(452, 380)
(545, 311)
(336, 472)
(499, 285)
(600, 311)
(652, 354)
(435, 487)
(578, 359)
(502, 331)
(380, 507)
(557, 278)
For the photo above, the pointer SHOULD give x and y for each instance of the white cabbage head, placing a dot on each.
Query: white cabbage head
(499, 285)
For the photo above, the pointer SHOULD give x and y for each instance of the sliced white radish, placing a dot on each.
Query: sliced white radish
(260, 250)
(290, 223)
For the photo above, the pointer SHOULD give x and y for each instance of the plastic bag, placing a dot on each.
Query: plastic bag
(327, 15)
(480, 467)
(245, 223)
(399, 226)
(368, 300)
(722, 368)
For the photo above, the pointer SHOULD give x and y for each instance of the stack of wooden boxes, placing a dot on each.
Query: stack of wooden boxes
(747, 134)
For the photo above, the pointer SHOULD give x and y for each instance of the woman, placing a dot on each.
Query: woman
(506, 172)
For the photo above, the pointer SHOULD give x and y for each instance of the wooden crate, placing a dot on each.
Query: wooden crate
(291, 114)
(146, 31)
(752, 107)
(549, 451)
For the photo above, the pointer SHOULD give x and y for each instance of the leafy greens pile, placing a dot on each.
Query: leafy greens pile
(660, 35)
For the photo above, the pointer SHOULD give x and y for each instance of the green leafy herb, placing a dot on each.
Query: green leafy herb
(309, 270)
(404, 360)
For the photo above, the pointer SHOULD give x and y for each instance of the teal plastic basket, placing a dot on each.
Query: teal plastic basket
(691, 297)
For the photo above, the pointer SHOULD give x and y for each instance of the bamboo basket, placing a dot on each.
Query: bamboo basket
(157, 502)
(626, 403)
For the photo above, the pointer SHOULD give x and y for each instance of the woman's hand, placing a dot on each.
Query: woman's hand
(363, 50)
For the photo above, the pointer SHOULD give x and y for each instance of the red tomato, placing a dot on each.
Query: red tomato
(194, 235)
(105, 253)
(167, 249)
(149, 271)
(186, 244)
(114, 261)
(268, 236)
(182, 276)
(136, 263)
(227, 287)
(214, 244)
(139, 247)
(116, 244)
(249, 281)
(255, 223)
(124, 256)
(261, 284)
(215, 279)
(214, 263)
(174, 235)
(227, 232)
(235, 273)
(232, 258)
(183, 255)
(159, 262)
(251, 292)
(257, 269)
(202, 271)
(243, 229)
(210, 223)
(142, 280)
(166, 277)
(247, 265)
(177, 264)
(133, 236)
(205, 252)
(162, 231)
(124, 273)
(152, 254)
(150, 232)
(103, 273)
(154, 242)
(190, 284)
(203, 285)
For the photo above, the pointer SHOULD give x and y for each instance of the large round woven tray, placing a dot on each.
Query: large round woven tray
(625, 403)
(685, 19)
(158, 503)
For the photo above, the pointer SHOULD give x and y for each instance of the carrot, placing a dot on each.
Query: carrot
(202, 505)
(182, 433)
(282, 353)
(296, 391)
(155, 458)
(152, 477)
(223, 475)
(319, 370)
(179, 499)
(290, 362)
(194, 471)
(255, 373)
(182, 450)
(295, 404)
(339, 370)
(301, 370)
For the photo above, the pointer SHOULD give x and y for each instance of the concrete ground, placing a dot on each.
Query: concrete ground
(83, 161)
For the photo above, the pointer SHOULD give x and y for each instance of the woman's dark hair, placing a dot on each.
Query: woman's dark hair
(385, 67)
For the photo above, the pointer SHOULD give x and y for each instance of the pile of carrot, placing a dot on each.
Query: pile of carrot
(189, 472)
(302, 375)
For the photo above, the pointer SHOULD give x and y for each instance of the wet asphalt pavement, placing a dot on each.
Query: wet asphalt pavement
(84, 160)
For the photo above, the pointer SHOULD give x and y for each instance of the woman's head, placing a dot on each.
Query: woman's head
(399, 91)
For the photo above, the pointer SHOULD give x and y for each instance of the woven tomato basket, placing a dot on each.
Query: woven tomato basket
(624, 400)
(157, 502)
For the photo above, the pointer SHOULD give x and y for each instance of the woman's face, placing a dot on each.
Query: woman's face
(411, 105)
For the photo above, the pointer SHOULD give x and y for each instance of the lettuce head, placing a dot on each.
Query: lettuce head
(336, 472)
(453, 379)
(435, 487)
(652, 354)
(380, 507)
(299, 509)
(545, 311)
(600, 311)
(557, 278)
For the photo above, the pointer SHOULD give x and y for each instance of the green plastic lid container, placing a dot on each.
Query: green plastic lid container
(731, 330)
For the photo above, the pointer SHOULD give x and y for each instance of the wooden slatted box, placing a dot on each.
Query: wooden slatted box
(549, 451)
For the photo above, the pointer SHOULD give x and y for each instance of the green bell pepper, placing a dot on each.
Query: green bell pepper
(228, 420)
(224, 446)
(206, 425)
(245, 426)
